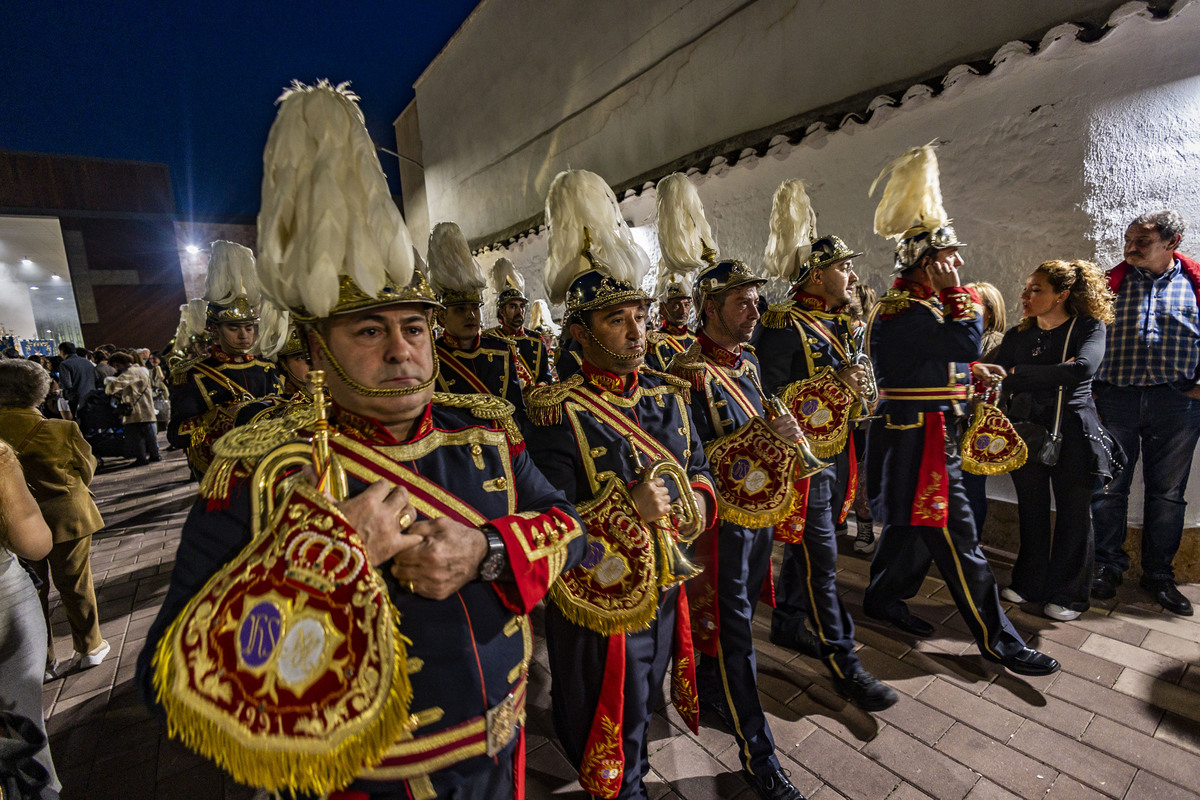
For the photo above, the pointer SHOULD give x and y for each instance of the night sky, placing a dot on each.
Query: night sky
(194, 85)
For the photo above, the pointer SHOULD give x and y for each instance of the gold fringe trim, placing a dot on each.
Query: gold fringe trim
(544, 404)
(1008, 465)
(273, 769)
(748, 519)
(217, 482)
(586, 615)
(778, 315)
(821, 448)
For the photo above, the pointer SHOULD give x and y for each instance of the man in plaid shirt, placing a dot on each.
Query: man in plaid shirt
(1148, 396)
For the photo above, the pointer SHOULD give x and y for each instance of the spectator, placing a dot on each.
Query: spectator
(1051, 356)
(76, 376)
(132, 385)
(11, 352)
(55, 405)
(104, 370)
(23, 533)
(1148, 395)
(58, 466)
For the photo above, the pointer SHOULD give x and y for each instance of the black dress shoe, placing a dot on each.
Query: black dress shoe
(1168, 596)
(906, 622)
(720, 709)
(802, 641)
(1105, 583)
(865, 691)
(774, 786)
(1026, 662)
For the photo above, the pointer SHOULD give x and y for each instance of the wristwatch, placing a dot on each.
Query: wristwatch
(496, 560)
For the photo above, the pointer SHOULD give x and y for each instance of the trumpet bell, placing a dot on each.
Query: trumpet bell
(809, 464)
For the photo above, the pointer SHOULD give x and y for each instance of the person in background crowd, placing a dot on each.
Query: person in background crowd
(54, 406)
(132, 386)
(995, 322)
(58, 466)
(861, 310)
(11, 352)
(1148, 395)
(76, 376)
(24, 534)
(1051, 356)
(104, 370)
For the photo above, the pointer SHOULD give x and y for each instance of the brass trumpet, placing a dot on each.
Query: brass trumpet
(868, 389)
(774, 408)
(673, 565)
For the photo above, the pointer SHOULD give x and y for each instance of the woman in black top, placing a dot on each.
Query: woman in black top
(1057, 346)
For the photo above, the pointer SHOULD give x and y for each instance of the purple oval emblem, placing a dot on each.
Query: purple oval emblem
(808, 407)
(259, 633)
(740, 469)
(593, 555)
(982, 441)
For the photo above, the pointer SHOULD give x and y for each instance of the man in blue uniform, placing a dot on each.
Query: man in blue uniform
(754, 466)
(511, 308)
(378, 614)
(208, 392)
(813, 370)
(673, 335)
(927, 331)
(470, 362)
(618, 619)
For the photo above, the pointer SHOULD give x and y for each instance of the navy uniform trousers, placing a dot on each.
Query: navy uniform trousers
(731, 679)
(903, 555)
(807, 587)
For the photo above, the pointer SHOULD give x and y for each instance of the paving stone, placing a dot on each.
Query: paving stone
(986, 790)
(1014, 695)
(981, 714)
(932, 772)
(1093, 668)
(1020, 773)
(1180, 731)
(1145, 752)
(1161, 694)
(850, 772)
(1130, 711)
(1128, 655)
(1067, 788)
(1147, 784)
(917, 719)
(1167, 644)
(1102, 772)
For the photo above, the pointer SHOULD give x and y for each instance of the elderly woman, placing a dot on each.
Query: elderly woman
(133, 386)
(58, 467)
(23, 533)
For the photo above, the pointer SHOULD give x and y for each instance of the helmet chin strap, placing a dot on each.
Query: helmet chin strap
(623, 357)
(367, 391)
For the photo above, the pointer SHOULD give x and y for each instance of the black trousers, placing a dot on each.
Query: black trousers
(904, 553)
(731, 679)
(1055, 565)
(577, 659)
(143, 441)
(807, 587)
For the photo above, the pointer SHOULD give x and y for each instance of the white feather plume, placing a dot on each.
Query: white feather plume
(326, 207)
(505, 276)
(667, 276)
(540, 317)
(197, 317)
(580, 199)
(231, 275)
(182, 334)
(913, 195)
(793, 229)
(451, 265)
(273, 325)
(683, 231)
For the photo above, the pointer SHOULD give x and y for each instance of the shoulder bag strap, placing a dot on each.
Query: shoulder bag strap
(1058, 405)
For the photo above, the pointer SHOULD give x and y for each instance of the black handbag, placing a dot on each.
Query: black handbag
(1045, 446)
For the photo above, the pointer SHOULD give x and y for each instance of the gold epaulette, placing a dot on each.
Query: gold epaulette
(689, 367)
(779, 315)
(244, 446)
(180, 370)
(678, 384)
(896, 301)
(484, 406)
(492, 331)
(544, 404)
(749, 348)
(654, 337)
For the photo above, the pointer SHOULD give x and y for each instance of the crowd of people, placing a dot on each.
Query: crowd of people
(387, 488)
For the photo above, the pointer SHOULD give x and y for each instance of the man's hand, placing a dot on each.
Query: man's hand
(651, 499)
(942, 276)
(988, 374)
(854, 376)
(379, 516)
(787, 428)
(446, 557)
(1193, 392)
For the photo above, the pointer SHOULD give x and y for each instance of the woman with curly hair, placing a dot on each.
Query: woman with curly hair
(1051, 356)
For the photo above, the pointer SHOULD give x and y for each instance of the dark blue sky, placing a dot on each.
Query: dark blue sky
(194, 85)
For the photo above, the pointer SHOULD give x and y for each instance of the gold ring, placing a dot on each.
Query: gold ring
(409, 585)
(405, 520)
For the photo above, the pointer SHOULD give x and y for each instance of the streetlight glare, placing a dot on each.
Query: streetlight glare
(193, 249)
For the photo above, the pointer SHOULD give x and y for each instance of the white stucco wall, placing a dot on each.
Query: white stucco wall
(1048, 156)
(528, 87)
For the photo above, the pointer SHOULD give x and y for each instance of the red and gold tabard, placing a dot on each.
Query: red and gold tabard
(991, 445)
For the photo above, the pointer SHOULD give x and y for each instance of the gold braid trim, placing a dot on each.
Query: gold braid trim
(689, 367)
(484, 406)
(828, 448)
(244, 446)
(779, 315)
(894, 302)
(544, 404)
(678, 384)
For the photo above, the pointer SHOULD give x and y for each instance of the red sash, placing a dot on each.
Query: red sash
(463, 371)
(240, 393)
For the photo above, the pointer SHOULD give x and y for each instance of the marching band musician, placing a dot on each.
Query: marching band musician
(470, 362)
(616, 621)
(927, 331)
(279, 341)
(812, 369)
(674, 290)
(207, 391)
(753, 467)
(511, 307)
(349, 605)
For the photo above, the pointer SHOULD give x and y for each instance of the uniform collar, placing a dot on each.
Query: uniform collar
(918, 290)
(217, 352)
(512, 332)
(717, 354)
(809, 301)
(371, 431)
(452, 342)
(673, 329)
(609, 382)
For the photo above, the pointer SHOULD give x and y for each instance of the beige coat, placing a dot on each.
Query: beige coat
(133, 386)
(58, 467)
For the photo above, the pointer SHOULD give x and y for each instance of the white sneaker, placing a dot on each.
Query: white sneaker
(1011, 595)
(51, 673)
(864, 540)
(88, 660)
(1058, 612)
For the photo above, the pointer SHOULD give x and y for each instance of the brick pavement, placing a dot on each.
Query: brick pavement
(1122, 719)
